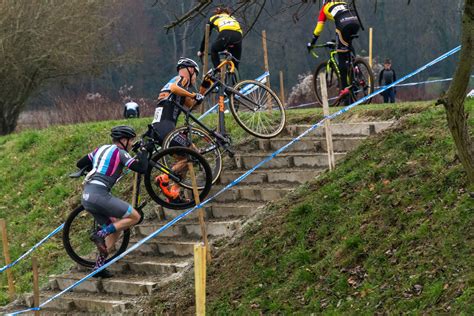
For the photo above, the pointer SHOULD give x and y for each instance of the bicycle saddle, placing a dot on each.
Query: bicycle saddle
(79, 173)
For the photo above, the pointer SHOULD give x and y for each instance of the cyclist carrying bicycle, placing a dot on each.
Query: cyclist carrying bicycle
(229, 38)
(175, 92)
(106, 164)
(347, 26)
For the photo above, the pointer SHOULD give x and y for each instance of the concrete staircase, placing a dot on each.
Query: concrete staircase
(160, 261)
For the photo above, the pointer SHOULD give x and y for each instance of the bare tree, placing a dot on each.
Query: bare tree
(42, 40)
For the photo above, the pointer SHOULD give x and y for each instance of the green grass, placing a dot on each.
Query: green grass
(388, 232)
(37, 195)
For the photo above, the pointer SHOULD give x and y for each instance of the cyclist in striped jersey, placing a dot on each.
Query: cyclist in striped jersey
(106, 164)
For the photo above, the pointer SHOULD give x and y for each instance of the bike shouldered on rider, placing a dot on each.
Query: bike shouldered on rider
(347, 26)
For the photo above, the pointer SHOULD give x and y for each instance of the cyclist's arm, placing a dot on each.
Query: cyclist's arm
(320, 25)
(86, 161)
(176, 89)
(138, 164)
(211, 26)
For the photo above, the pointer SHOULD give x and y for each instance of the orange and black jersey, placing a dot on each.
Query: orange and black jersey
(336, 11)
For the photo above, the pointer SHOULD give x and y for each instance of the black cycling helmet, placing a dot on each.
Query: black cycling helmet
(184, 62)
(122, 131)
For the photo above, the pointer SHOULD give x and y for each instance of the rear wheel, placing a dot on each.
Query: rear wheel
(363, 80)
(78, 227)
(257, 109)
(173, 162)
(203, 143)
(333, 83)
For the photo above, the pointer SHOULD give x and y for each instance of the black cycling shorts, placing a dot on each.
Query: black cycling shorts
(163, 128)
(98, 201)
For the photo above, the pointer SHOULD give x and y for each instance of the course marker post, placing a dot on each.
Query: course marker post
(282, 89)
(327, 123)
(205, 59)
(371, 37)
(202, 222)
(36, 295)
(200, 278)
(6, 254)
(265, 64)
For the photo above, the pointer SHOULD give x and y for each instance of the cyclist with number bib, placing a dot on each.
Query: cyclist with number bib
(347, 26)
(229, 38)
(176, 91)
(106, 164)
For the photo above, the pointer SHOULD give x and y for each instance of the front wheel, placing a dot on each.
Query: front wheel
(78, 227)
(173, 164)
(362, 80)
(257, 109)
(202, 143)
(333, 84)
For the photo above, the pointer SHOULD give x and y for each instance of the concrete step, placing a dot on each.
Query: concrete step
(272, 176)
(285, 160)
(342, 129)
(128, 285)
(218, 211)
(310, 144)
(79, 303)
(176, 247)
(145, 265)
(187, 228)
(251, 193)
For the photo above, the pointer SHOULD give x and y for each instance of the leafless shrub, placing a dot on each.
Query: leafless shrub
(302, 92)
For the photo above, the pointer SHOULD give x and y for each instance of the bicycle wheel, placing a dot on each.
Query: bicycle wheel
(174, 162)
(203, 143)
(333, 84)
(363, 80)
(76, 233)
(257, 109)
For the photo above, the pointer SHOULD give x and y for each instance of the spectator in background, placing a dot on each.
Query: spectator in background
(131, 109)
(388, 76)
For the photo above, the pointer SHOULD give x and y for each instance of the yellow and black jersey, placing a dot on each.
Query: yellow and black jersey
(336, 11)
(224, 22)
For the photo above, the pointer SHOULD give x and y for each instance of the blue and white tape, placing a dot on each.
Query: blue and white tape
(54, 232)
(238, 180)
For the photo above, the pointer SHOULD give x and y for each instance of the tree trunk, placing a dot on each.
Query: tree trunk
(454, 99)
(9, 118)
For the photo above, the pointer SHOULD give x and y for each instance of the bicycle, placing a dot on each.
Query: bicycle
(80, 224)
(360, 76)
(249, 101)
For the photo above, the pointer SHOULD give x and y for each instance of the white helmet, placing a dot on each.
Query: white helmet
(187, 62)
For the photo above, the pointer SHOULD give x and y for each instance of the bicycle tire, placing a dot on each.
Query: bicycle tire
(83, 256)
(265, 97)
(205, 144)
(333, 84)
(364, 75)
(203, 177)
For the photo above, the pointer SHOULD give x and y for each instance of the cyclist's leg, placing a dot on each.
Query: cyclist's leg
(343, 56)
(218, 46)
(236, 46)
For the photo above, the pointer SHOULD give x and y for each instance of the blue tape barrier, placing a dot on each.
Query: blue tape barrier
(54, 232)
(240, 178)
(245, 90)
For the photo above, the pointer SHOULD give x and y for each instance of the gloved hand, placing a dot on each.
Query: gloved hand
(310, 45)
(199, 98)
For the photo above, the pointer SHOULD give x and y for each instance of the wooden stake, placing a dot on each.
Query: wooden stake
(200, 278)
(282, 89)
(205, 58)
(202, 223)
(327, 123)
(6, 254)
(265, 64)
(370, 46)
(35, 284)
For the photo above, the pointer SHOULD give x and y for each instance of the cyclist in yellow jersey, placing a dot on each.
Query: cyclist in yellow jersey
(347, 26)
(230, 35)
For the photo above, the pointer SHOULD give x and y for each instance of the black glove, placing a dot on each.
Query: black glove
(142, 155)
(310, 45)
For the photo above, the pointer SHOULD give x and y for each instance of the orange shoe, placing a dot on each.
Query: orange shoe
(172, 193)
(343, 93)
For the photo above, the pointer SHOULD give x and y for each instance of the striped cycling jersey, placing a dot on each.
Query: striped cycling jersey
(108, 162)
(224, 22)
(336, 11)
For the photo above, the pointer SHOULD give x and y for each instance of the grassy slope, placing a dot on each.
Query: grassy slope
(389, 231)
(36, 195)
